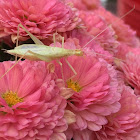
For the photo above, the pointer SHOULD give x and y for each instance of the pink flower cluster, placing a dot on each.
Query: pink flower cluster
(91, 97)
(42, 18)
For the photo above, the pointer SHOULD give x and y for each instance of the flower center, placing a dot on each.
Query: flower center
(11, 98)
(73, 85)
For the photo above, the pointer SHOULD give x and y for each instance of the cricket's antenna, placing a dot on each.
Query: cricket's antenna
(109, 26)
(127, 13)
(62, 42)
(110, 57)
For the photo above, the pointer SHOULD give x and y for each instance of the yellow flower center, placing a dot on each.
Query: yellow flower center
(73, 85)
(11, 98)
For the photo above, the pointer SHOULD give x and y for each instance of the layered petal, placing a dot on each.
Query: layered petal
(31, 104)
(41, 18)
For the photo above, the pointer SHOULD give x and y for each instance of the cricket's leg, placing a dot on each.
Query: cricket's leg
(73, 70)
(54, 39)
(61, 70)
(36, 40)
(13, 65)
(17, 41)
(62, 42)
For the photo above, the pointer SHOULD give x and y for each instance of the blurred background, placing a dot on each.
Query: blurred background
(120, 7)
(111, 5)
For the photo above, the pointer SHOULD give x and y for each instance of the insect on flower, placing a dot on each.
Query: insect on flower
(41, 52)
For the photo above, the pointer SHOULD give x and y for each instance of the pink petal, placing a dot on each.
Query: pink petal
(3, 81)
(15, 78)
(11, 132)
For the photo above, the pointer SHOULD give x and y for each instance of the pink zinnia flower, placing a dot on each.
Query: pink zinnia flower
(123, 31)
(131, 68)
(31, 105)
(95, 25)
(41, 18)
(94, 91)
(125, 124)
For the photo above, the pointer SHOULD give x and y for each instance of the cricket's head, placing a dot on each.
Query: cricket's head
(79, 52)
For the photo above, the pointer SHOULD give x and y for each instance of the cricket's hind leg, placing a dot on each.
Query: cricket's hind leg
(17, 40)
(36, 40)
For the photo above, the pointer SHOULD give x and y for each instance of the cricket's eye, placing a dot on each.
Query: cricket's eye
(79, 53)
